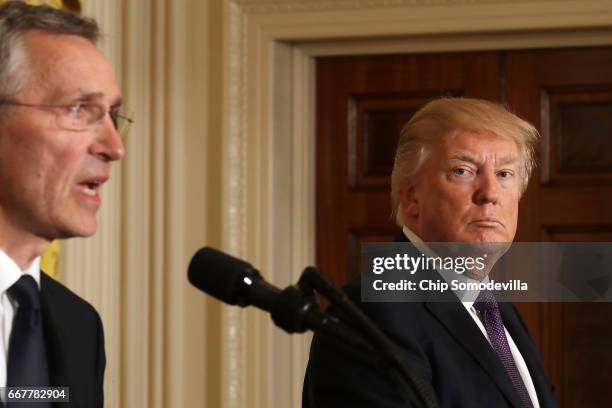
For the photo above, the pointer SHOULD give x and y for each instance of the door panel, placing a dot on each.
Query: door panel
(567, 94)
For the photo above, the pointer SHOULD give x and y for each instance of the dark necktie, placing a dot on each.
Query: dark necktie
(27, 358)
(487, 306)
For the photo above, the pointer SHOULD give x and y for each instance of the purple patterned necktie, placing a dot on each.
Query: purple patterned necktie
(487, 306)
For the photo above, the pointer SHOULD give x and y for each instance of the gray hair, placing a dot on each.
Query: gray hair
(442, 117)
(16, 18)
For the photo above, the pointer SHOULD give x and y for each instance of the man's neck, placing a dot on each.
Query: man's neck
(22, 247)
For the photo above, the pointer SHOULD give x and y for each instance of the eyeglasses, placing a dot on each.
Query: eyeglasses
(81, 115)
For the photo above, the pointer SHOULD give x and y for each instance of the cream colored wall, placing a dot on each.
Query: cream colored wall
(155, 212)
(223, 154)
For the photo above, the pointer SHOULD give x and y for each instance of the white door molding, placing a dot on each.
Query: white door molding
(268, 134)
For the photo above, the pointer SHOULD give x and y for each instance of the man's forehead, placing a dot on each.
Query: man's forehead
(83, 95)
(478, 158)
(68, 66)
(470, 144)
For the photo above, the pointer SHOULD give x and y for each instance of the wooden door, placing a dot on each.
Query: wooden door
(362, 102)
(567, 95)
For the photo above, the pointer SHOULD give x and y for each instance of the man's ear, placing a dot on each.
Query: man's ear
(409, 201)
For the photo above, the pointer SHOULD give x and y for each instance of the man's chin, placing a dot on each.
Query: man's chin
(486, 237)
(489, 243)
(78, 230)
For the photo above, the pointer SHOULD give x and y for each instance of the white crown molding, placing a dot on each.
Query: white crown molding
(291, 6)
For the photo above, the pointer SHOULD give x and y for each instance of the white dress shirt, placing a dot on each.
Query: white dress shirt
(469, 306)
(9, 274)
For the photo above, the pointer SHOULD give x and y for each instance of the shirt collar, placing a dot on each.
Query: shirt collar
(417, 241)
(10, 272)
(467, 297)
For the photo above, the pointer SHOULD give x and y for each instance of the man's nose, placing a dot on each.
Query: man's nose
(108, 144)
(487, 189)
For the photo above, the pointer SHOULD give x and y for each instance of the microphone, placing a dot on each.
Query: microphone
(231, 280)
(236, 282)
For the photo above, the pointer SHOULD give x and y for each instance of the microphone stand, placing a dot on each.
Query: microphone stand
(414, 389)
(295, 311)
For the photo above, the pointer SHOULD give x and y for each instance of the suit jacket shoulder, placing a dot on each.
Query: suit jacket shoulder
(75, 344)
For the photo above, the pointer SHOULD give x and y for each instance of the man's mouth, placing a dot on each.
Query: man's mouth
(90, 187)
(490, 222)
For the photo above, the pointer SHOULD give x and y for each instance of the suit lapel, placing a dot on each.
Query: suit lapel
(447, 308)
(56, 340)
(460, 326)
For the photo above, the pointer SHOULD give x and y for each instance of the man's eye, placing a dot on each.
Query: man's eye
(460, 171)
(114, 112)
(504, 174)
(74, 109)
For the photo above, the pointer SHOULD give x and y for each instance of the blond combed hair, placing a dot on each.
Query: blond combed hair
(443, 117)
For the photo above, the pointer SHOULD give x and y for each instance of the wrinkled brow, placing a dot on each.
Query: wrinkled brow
(465, 157)
(95, 96)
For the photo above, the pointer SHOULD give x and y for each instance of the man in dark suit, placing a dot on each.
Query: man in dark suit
(460, 169)
(59, 118)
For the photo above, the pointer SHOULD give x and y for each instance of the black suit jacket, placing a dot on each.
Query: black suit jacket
(439, 342)
(75, 344)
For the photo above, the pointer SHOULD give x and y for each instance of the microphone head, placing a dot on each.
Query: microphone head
(219, 274)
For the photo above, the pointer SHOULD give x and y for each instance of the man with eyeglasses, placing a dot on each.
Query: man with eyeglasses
(59, 135)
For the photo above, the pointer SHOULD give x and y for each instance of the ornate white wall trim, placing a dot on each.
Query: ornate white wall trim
(234, 146)
(269, 162)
